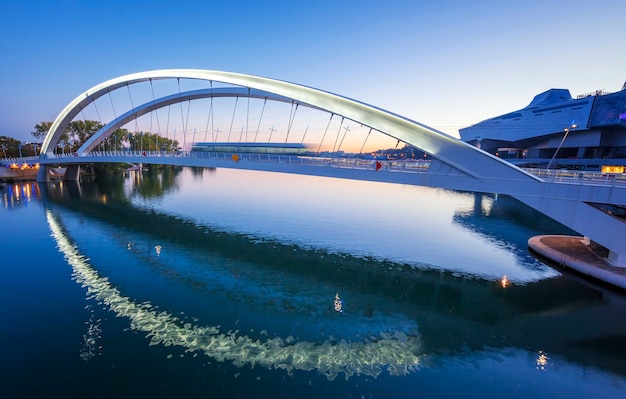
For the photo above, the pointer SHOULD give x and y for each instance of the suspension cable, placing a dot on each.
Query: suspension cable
(208, 119)
(260, 118)
(133, 107)
(338, 133)
(325, 131)
(84, 119)
(96, 107)
(291, 119)
(114, 116)
(347, 129)
(247, 116)
(182, 118)
(167, 126)
(112, 106)
(187, 123)
(150, 128)
(233, 119)
(82, 112)
(217, 133)
(366, 137)
(304, 135)
(156, 113)
(212, 113)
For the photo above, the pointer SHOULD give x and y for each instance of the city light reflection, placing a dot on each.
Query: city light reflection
(542, 360)
(338, 303)
(504, 282)
(19, 193)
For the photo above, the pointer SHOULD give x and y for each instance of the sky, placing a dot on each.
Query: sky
(446, 64)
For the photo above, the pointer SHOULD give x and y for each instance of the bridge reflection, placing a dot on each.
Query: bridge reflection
(428, 312)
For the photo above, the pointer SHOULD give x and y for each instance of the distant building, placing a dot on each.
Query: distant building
(556, 130)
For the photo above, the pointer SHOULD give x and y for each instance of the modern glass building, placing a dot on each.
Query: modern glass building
(558, 131)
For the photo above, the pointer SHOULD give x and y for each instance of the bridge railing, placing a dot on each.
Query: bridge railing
(414, 166)
(409, 165)
(579, 177)
(406, 166)
(115, 154)
(18, 160)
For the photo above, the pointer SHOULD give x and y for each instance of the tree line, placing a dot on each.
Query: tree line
(78, 132)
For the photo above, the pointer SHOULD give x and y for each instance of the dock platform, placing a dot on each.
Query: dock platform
(574, 253)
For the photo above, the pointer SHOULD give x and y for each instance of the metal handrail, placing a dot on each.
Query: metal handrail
(579, 177)
(408, 166)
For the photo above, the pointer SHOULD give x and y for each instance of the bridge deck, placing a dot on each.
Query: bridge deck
(400, 165)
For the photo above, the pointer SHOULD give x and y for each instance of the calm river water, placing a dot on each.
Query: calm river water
(182, 283)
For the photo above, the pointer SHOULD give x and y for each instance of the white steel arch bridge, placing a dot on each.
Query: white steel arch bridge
(578, 203)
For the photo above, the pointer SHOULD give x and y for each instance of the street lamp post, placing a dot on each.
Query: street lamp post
(567, 130)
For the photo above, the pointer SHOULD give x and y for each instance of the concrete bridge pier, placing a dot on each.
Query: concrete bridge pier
(43, 175)
(617, 259)
(72, 173)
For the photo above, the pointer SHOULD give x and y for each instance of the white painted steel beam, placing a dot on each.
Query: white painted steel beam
(450, 150)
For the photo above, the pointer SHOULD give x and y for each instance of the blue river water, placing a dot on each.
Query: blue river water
(180, 283)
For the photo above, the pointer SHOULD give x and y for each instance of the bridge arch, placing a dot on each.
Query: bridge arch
(143, 109)
(457, 165)
(455, 154)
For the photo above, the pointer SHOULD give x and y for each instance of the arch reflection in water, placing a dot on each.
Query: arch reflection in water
(398, 353)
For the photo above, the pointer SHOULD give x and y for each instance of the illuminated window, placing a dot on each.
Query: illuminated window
(612, 169)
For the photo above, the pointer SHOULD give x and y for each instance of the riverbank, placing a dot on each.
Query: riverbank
(573, 253)
(17, 174)
(11, 175)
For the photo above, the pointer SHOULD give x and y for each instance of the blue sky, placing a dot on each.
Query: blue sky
(446, 64)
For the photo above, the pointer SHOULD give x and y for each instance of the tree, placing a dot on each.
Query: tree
(145, 141)
(9, 147)
(76, 134)
(41, 129)
(81, 131)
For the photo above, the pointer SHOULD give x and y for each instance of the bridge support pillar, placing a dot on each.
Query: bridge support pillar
(72, 173)
(43, 175)
(617, 259)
